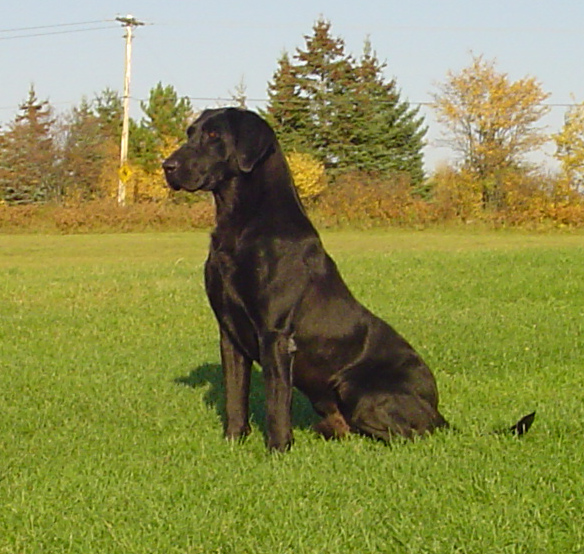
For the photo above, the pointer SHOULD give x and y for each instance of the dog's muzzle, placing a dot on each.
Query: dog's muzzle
(170, 168)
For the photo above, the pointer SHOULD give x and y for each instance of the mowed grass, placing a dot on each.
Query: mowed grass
(111, 404)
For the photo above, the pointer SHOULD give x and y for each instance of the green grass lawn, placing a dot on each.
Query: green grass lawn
(111, 404)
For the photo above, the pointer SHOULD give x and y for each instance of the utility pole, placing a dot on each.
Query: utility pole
(128, 22)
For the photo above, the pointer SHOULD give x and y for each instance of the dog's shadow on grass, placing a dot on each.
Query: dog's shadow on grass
(210, 375)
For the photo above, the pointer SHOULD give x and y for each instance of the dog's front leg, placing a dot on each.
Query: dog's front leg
(276, 360)
(236, 376)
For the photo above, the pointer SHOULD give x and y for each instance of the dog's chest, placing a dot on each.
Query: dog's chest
(252, 281)
(231, 307)
(229, 267)
(220, 276)
(230, 280)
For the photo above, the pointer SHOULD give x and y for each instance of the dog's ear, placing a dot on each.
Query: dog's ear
(254, 139)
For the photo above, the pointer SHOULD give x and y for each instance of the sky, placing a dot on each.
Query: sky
(204, 49)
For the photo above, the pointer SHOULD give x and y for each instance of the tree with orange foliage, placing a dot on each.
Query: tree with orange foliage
(491, 121)
(570, 146)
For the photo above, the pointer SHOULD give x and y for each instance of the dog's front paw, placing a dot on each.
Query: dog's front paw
(237, 434)
(280, 444)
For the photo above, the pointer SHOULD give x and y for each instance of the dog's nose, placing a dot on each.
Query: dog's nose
(170, 165)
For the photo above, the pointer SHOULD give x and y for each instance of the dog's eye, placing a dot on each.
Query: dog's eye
(210, 134)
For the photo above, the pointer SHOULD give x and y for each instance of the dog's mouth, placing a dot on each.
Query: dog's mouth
(177, 183)
(181, 176)
(173, 184)
(172, 174)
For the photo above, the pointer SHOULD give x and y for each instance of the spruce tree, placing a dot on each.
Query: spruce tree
(109, 111)
(166, 119)
(288, 110)
(344, 111)
(84, 151)
(29, 158)
(167, 115)
(324, 74)
(388, 135)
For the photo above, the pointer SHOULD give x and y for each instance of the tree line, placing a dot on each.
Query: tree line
(334, 113)
(76, 157)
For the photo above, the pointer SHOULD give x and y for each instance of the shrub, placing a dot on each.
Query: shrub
(365, 200)
(107, 216)
(456, 195)
(147, 187)
(532, 199)
(357, 199)
(309, 174)
(524, 198)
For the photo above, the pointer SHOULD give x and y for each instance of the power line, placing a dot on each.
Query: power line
(54, 26)
(56, 33)
(347, 101)
(265, 101)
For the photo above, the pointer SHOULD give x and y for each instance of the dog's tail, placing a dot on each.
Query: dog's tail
(520, 428)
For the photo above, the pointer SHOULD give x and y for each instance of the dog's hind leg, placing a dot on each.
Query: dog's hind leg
(332, 426)
(386, 415)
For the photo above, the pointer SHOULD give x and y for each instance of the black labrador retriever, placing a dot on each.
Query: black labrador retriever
(280, 300)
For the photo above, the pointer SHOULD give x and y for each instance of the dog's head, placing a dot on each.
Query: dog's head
(221, 145)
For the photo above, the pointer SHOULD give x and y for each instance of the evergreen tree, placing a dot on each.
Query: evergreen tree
(343, 111)
(324, 74)
(288, 110)
(109, 111)
(239, 94)
(4, 165)
(166, 119)
(167, 115)
(29, 157)
(387, 134)
(85, 149)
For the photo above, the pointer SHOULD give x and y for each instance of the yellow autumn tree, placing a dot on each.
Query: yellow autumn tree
(570, 146)
(107, 183)
(490, 121)
(308, 173)
(151, 185)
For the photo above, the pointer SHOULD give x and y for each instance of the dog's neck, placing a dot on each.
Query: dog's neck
(267, 197)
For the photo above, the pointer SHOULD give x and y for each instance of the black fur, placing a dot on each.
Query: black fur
(280, 300)
(523, 425)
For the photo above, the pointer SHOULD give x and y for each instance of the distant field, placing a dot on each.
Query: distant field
(111, 404)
